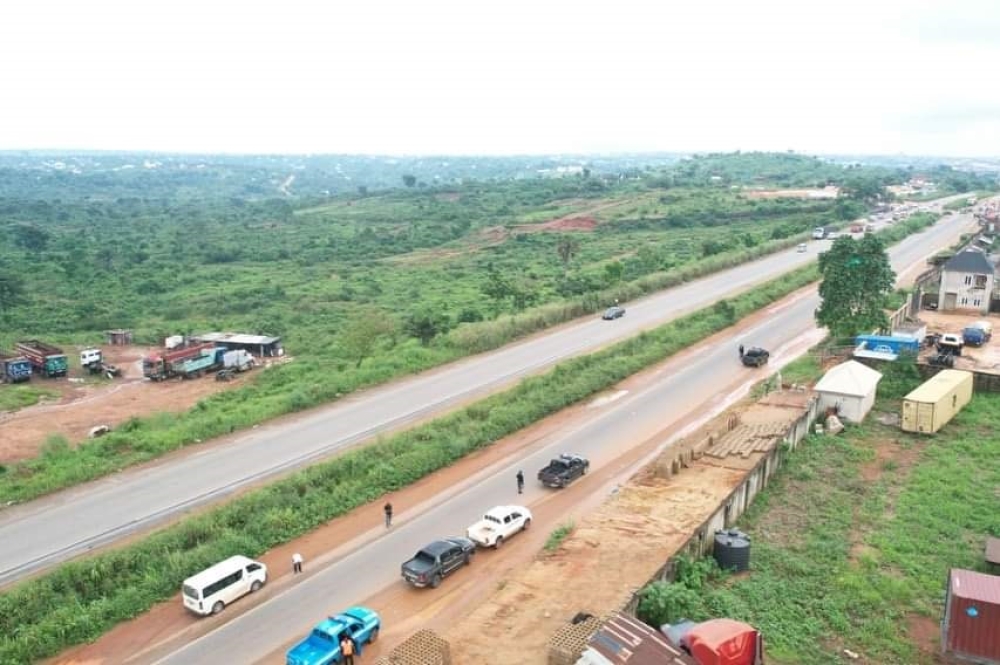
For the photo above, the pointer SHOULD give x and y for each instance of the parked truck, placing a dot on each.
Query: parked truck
(45, 359)
(978, 333)
(14, 368)
(92, 360)
(161, 366)
(322, 646)
(207, 360)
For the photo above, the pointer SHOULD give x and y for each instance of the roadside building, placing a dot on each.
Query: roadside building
(850, 388)
(967, 282)
(262, 346)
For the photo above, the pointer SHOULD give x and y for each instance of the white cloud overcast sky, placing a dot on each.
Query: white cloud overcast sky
(467, 77)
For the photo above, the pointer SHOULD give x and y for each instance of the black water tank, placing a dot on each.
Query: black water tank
(732, 550)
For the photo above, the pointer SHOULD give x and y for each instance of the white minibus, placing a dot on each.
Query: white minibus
(211, 590)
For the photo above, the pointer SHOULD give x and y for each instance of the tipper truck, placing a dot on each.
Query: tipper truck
(47, 360)
(159, 367)
(14, 367)
(206, 361)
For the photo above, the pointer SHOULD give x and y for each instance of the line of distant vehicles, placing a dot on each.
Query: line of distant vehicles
(210, 591)
(34, 357)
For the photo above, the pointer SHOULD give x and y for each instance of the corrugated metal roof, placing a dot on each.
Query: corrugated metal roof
(236, 338)
(967, 261)
(849, 378)
(623, 639)
(931, 390)
(975, 586)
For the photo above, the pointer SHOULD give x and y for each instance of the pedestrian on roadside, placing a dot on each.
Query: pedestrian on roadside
(741, 350)
(388, 514)
(296, 563)
(347, 650)
(520, 482)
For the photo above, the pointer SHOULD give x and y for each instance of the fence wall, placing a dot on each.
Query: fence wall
(982, 382)
(732, 507)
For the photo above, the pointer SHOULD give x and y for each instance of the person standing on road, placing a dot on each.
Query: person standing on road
(520, 482)
(296, 563)
(388, 514)
(347, 650)
(741, 350)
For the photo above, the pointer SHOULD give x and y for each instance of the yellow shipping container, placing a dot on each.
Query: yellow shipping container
(930, 406)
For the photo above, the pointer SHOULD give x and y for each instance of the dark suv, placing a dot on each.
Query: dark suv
(755, 357)
(615, 312)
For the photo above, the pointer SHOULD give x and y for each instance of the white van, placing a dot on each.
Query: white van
(819, 233)
(211, 590)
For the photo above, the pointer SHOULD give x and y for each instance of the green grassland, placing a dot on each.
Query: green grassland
(853, 540)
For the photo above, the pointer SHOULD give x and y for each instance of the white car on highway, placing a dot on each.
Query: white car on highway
(499, 524)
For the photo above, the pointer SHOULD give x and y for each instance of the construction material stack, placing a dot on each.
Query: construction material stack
(14, 367)
(45, 359)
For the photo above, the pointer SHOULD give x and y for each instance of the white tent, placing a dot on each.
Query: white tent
(850, 386)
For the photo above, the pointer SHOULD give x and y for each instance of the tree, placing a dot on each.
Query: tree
(31, 237)
(866, 190)
(496, 287)
(613, 272)
(409, 180)
(426, 324)
(365, 329)
(567, 249)
(857, 281)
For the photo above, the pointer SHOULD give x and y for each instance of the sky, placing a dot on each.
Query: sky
(513, 77)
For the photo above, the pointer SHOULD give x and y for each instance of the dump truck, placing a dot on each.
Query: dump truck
(160, 366)
(14, 367)
(45, 359)
(207, 360)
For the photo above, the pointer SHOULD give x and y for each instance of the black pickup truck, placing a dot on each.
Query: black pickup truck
(563, 470)
(437, 560)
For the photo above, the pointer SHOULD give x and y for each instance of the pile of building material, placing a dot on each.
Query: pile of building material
(425, 647)
(745, 440)
(569, 642)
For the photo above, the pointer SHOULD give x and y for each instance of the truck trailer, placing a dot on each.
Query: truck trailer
(161, 366)
(14, 368)
(45, 359)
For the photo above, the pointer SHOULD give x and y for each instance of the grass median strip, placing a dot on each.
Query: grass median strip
(80, 600)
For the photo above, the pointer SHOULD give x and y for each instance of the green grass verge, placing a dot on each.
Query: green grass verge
(80, 600)
(558, 535)
(19, 396)
(870, 549)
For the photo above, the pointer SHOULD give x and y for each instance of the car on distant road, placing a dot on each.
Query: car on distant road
(615, 312)
(801, 249)
(322, 646)
(437, 560)
(755, 357)
(499, 524)
(563, 470)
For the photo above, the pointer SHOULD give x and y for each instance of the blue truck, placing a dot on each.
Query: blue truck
(978, 333)
(322, 647)
(14, 368)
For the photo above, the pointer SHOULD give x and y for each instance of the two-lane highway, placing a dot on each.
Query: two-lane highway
(701, 381)
(45, 532)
